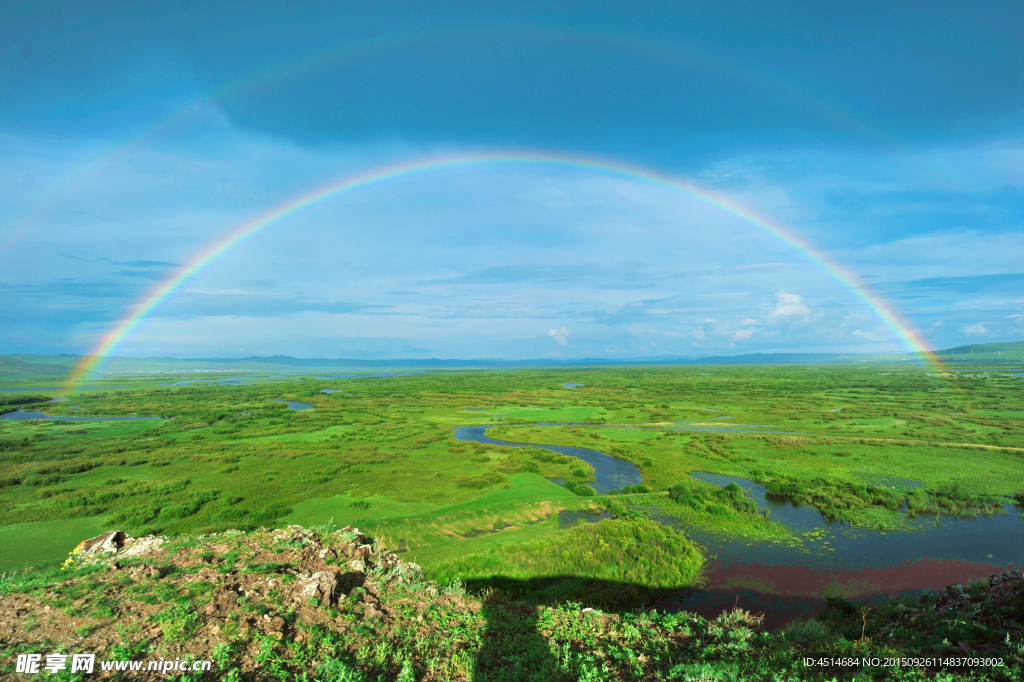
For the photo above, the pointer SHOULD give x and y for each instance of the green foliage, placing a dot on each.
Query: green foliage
(480, 481)
(178, 622)
(716, 501)
(634, 550)
(335, 670)
(381, 453)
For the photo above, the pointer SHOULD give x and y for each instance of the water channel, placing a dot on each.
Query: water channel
(54, 388)
(788, 580)
(22, 415)
(293, 404)
(610, 473)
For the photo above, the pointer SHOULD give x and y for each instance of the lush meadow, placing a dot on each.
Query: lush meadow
(864, 444)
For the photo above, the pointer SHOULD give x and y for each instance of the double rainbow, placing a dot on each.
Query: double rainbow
(144, 308)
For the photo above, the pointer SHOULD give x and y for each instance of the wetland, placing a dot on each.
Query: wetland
(771, 488)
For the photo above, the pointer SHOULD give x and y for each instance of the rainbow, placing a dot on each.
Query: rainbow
(801, 94)
(91, 363)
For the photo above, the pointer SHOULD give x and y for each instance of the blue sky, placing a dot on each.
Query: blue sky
(888, 135)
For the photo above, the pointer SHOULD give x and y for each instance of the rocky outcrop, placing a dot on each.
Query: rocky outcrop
(114, 545)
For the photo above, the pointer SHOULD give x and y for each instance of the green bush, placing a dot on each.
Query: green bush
(584, 490)
(479, 481)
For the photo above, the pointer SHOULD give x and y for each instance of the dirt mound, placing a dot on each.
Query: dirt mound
(327, 604)
(251, 586)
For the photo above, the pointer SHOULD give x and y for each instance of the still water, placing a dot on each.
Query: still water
(22, 415)
(54, 388)
(788, 580)
(610, 473)
(293, 404)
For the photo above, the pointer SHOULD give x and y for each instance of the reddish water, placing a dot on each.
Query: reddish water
(785, 593)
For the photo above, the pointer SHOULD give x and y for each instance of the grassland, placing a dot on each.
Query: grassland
(380, 453)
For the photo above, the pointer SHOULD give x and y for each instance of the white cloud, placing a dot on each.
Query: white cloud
(743, 334)
(788, 306)
(867, 336)
(561, 336)
(975, 330)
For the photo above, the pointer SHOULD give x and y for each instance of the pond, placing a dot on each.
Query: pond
(570, 518)
(610, 473)
(373, 375)
(293, 404)
(54, 388)
(788, 581)
(22, 415)
(572, 385)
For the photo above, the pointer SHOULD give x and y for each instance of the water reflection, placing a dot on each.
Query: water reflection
(22, 415)
(293, 404)
(570, 518)
(54, 388)
(610, 473)
(784, 580)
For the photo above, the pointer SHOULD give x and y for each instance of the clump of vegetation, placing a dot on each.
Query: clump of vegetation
(586, 565)
(714, 500)
(581, 489)
(836, 500)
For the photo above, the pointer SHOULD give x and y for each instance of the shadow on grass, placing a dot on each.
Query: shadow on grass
(606, 595)
(514, 649)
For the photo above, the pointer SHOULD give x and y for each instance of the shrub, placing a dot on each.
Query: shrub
(478, 481)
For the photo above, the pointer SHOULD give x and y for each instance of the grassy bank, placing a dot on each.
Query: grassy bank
(325, 604)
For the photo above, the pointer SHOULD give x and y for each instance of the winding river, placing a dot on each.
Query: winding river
(788, 580)
(610, 473)
(22, 415)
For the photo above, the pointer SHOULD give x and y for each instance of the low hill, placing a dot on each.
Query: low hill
(25, 365)
(329, 604)
(13, 367)
(1008, 348)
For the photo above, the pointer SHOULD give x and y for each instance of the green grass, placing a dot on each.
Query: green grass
(44, 542)
(346, 510)
(634, 551)
(381, 454)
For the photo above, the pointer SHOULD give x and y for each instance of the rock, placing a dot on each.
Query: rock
(103, 548)
(320, 586)
(225, 601)
(144, 571)
(146, 546)
(95, 549)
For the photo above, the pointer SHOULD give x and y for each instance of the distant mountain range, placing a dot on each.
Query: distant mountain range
(25, 365)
